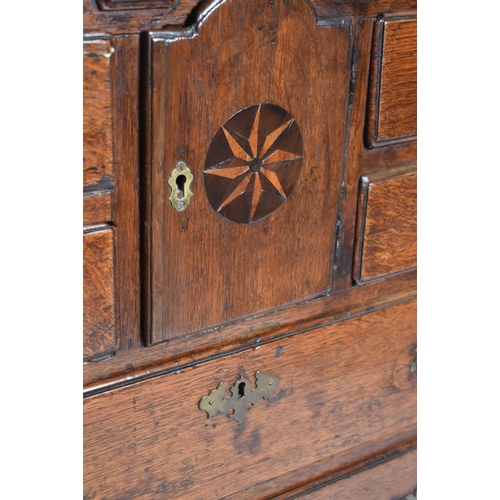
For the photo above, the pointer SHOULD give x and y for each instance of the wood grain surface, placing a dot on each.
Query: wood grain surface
(342, 388)
(386, 240)
(133, 21)
(389, 480)
(392, 109)
(136, 4)
(133, 365)
(99, 333)
(143, 19)
(97, 114)
(201, 269)
(97, 208)
(126, 194)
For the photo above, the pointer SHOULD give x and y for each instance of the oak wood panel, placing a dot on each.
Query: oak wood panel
(136, 4)
(318, 475)
(391, 480)
(392, 110)
(97, 114)
(201, 269)
(129, 366)
(99, 333)
(134, 21)
(390, 157)
(126, 194)
(122, 22)
(354, 148)
(342, 386)
(327, 8)
(97, 208)
(386, 240)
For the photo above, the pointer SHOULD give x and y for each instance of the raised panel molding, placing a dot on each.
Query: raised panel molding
(392, 95)
(201, 268)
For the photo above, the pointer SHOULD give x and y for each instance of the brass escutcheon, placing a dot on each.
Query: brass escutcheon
(242, 398)
(179, 181)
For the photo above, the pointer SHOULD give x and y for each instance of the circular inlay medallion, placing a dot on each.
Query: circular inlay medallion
(253, 163)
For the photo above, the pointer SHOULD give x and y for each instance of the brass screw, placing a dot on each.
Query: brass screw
(181, 166)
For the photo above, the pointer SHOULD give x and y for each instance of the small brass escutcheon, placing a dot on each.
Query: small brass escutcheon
(179, 181)
(242, 398)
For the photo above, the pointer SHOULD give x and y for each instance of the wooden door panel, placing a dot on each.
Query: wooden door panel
(232, 98)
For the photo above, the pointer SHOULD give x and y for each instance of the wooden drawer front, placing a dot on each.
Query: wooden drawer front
(392, 100)
(387, 226)
(99, 335)
(344, 389)
(97, 114)
(392, 480)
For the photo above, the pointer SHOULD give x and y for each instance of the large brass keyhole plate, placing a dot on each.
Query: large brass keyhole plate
(253, 163)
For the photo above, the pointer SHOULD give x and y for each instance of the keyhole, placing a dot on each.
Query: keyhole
(180, 180)
(241, 390)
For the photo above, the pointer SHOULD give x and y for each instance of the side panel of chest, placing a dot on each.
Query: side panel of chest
(252, 100)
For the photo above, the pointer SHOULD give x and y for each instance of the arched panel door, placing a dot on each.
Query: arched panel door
(252, 101)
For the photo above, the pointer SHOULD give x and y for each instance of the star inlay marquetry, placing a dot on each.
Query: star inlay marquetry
(253, 163)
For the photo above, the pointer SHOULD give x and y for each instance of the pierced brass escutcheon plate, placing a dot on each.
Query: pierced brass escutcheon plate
(180, 179)
(242, 398)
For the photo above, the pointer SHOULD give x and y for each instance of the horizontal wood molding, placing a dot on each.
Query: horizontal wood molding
(342, 387)
(97, 208)
(114, 16)
(136, 4)
(386, 232)
(397, 476)
(392, 95)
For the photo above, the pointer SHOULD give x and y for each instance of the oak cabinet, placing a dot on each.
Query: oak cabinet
(249, 249)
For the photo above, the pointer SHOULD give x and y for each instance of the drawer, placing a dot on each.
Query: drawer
(392, 98)
(97, 114)
(392, 480)
(386, 236)
(343, 392)
(99, 333)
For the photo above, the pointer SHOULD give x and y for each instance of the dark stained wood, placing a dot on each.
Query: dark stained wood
(253, 163)
(150, 440)
(390, 157)
(354, 148)
(99, 333)
(392, 109)
(202, 270)
(393, 479)
(126, 194)
(97, 114)
(386, 235)
(129, 21)
(97, 208)
(133, 365)
(145, 19)
(136, 4)
(327, 8)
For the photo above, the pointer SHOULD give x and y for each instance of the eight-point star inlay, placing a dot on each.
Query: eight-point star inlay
(253, 163)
